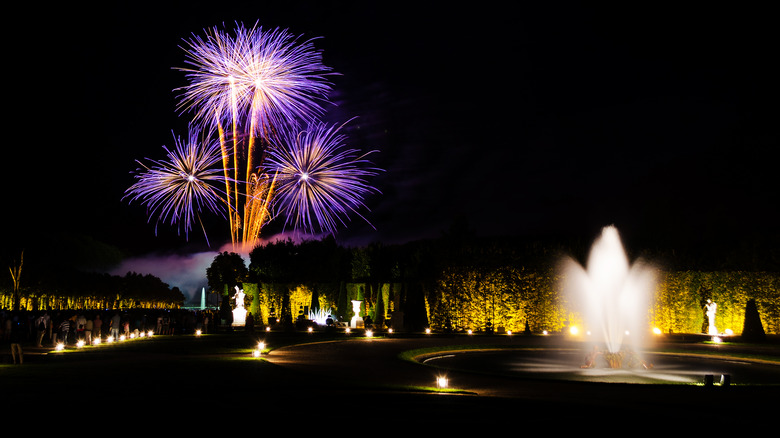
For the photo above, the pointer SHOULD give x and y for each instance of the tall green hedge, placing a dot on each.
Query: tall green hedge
(477, 298)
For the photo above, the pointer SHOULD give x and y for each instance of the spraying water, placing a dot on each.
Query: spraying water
(611, 293)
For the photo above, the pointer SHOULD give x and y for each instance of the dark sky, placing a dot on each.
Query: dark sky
(524, 120)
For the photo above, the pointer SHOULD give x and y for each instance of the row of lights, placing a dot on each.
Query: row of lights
(110, 339)
(657, 331)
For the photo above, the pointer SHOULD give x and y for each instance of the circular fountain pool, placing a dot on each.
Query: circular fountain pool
(567, 364)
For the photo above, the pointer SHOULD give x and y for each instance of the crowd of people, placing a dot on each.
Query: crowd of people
(47, 329)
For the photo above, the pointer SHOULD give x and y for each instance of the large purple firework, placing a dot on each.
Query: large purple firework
(187, 183)
(319, 181)
(267, 78)
(254, 86)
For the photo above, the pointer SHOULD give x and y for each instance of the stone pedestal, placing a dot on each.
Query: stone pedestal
(239, 317)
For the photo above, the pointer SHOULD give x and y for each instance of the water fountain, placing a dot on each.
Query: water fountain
(612, 296)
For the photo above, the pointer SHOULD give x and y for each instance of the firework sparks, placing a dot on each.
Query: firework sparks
(267, 77)
(247, 85)
(184, 185)
(256, 87)
(319, 181)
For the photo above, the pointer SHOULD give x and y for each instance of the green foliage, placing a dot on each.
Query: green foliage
(678, 304)
(226, 271)
(509, 298)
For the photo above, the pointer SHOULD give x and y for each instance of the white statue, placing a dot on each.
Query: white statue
(711, 308)
(239, 297)
(239, 313)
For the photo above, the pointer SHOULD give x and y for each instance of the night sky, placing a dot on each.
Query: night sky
(530, 121)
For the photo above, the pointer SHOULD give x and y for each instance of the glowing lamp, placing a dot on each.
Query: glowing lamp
(80, 343)
(509, 332)
(657, 331)
(369, 333)
(389, 330)
(544, 332)
(96, 341)
(268, 328)
(261, 345)
(149, 333)
(428, 331)
(347, 330)
(197, 332)
(309, 330)
(574, 330)
(60, 346)
(442, 382)
(255, 353)
(110, 339)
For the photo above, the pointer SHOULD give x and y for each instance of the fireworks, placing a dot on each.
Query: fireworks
(182, 186)
(265, 77)
(254, 89)
(246, 86)
(319, 181)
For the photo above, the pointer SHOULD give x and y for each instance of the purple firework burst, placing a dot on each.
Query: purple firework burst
(184, 185)
(267, 78)
(319, 181)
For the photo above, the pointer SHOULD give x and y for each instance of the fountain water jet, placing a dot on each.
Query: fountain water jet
(612, 294)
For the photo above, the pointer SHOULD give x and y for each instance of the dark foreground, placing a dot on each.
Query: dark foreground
(361, 382)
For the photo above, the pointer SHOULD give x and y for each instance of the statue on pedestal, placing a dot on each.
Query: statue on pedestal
(239, 313)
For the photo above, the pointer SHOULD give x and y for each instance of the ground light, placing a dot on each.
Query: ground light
(80, 343)
(441, 382)
(60, 347)
(369, 333)
(197, 332)
(257, 352)
(427, 331)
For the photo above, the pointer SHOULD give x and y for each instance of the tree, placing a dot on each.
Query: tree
(16, 272)
(226, 272)
(753, 330)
